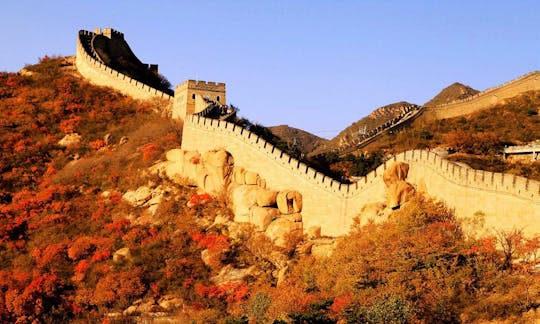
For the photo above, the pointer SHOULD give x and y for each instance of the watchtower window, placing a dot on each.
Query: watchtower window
(217, 98)
(193, 96)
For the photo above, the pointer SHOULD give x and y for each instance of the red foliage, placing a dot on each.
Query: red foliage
(231, 292)
(68, 126)
(118, 225)
(119, 288)
(149, 151)
(340, 303)
(213, 242)
(199, 199)
(97, 144)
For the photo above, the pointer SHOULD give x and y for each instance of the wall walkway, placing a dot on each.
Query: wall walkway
(507, 201)
(485, 99)
(99, 74)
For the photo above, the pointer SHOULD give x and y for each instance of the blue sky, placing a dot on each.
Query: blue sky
(315, 65)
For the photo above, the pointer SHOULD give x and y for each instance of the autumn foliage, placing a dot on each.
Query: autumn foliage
(63, 222)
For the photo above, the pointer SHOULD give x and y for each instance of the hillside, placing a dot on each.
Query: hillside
(91, 230)
(305, 141)
(455, 91)
(478, 138)
(377, 117)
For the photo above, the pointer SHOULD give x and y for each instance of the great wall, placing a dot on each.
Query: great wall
(505, 201)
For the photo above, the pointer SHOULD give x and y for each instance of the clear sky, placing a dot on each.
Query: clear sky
(315, 65)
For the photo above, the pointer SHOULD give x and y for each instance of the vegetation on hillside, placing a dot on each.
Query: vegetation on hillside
(417, 267)
(63, 219)
(478, 138)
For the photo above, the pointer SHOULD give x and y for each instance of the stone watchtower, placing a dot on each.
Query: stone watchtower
(189, 97)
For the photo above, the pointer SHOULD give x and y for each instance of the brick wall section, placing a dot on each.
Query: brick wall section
(485, 99)
(99, 74)
(508, 201)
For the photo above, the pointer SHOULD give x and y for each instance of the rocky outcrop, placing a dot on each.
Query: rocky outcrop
(250, 200)
(397, 171)
(283, 232)
(70, 140)
(399, 191)
(289, 202)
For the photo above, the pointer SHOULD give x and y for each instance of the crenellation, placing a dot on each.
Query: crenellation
(341, 202)
(100, 74)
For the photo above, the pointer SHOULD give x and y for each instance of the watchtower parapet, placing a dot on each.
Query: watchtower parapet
(109, 33)
(189, 97)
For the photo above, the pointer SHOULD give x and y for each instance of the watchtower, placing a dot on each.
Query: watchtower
(189, 97)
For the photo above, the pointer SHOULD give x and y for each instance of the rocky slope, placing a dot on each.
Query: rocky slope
(375, 118)
(455, 91)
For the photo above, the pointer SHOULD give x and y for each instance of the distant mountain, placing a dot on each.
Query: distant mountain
(305, 141)
(377, 117)
(453, 92)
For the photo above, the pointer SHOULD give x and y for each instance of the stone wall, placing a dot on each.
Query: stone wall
(99, 74)
(485, 99)
(507, 201)
(189, 97)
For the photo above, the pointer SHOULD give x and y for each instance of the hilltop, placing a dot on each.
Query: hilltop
(377, 117)
(305, 141)
(477, 139)
(455, 91)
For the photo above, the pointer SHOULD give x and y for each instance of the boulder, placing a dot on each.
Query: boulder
(155, 200)
(107, 139)
(266, 198)
(395, 172)
(295, 217)
(170, 302)
(323, 248)
(123, 140)
(261, 217)
(243, 198)
(238, 175)
(121, 255)
(282, 230)
(159, 169)
(230, 274)
(214, 171)
(191, 164)
(314, 232)
(289, 202)
(70, 139)
(399, 192)
(174, 170)
(261, 183)
(138, 197)
(218, 158)
(251, 178)
(211, 258)
(239, 231)
(175, 155)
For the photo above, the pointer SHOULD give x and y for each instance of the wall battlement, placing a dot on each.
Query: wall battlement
(100, 74)
(109, 33)
(485, 99)
(507, 201)
(480, 101)
(333, 205)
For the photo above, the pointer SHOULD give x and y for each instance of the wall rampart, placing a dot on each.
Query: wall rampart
(485, 99)
(102, 75)
(333, 205)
